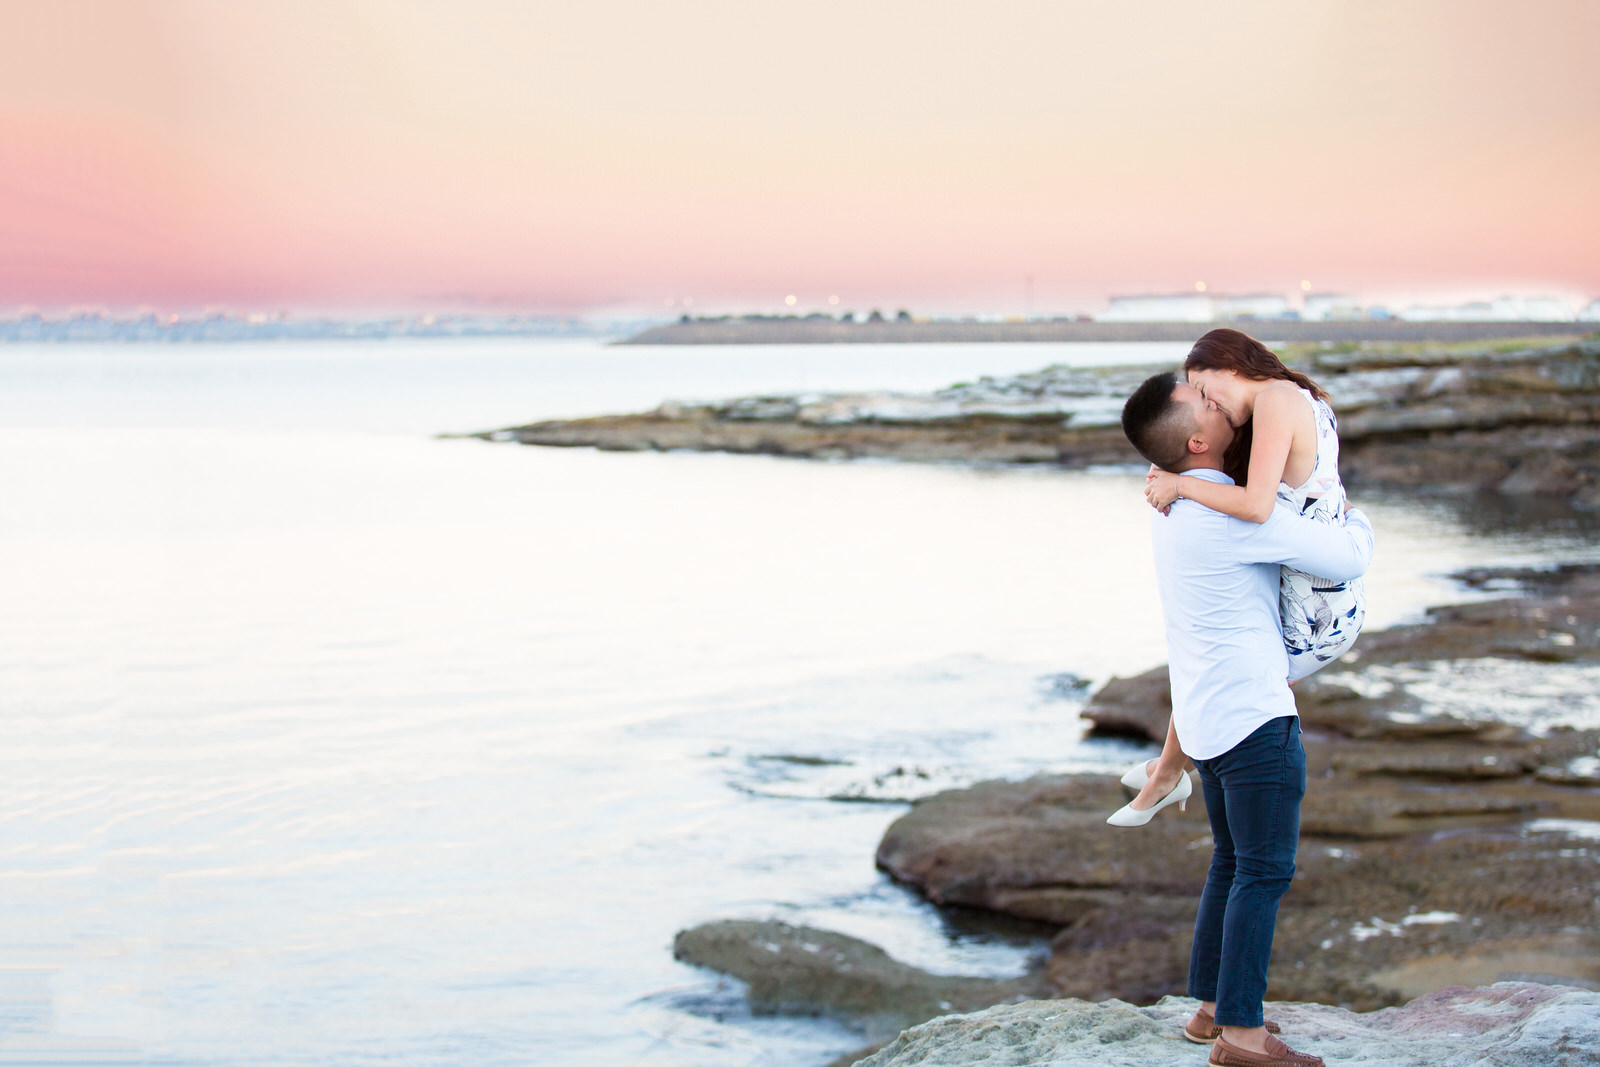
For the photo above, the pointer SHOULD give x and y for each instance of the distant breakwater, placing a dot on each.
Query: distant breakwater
(825, 330)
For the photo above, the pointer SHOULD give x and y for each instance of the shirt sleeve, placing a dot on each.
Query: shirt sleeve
(1336, 552)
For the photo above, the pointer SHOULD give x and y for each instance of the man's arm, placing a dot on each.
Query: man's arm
(1337, 553)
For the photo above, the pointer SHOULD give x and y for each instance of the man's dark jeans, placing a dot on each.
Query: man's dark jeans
(1253, 793)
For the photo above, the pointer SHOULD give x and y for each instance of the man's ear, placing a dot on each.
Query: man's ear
(1198, 444)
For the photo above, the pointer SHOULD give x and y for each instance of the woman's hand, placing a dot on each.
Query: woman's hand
(1160, 489)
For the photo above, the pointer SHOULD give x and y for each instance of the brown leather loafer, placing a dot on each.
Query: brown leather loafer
(1278, 1055)
(1203, 1029)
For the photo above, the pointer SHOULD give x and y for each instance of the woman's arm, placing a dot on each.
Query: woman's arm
(1336, 551)
(1277, 415)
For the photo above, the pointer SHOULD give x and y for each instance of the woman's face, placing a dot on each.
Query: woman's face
(1227, 391)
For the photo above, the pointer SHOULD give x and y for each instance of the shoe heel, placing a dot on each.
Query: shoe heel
(1183, 805)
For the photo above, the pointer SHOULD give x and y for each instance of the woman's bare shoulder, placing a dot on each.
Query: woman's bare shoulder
(1281, 388)
(1284, 402)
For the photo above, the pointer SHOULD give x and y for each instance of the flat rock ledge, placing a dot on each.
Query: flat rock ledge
(1505, 1024)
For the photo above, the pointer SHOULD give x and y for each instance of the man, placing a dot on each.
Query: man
(1231, 706)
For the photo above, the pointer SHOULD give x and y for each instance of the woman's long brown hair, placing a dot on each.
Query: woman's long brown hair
(1226, 349)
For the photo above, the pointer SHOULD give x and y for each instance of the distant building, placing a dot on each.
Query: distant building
(1503, 309)
(1199, 307)
(1546, 309)
(1177, 307)
(1251, 307)
(1476, 311)
(1332, 307)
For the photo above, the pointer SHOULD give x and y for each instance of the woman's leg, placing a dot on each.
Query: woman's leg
(1321, 620)
(1340, 615)
(1164, 772)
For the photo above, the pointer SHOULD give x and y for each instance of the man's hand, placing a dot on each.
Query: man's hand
(1161, 489)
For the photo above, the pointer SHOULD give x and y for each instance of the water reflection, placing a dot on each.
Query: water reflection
(1528, 516)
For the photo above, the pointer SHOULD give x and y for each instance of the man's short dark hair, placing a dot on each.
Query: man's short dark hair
(1157, 426)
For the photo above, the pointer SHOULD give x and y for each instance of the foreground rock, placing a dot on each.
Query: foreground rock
(799, 970)
(1525, 1024)
(1446, 419)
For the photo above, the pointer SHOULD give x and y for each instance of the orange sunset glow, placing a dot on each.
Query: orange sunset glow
(364, 153)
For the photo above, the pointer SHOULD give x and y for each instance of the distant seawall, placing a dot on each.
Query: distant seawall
(799, 331)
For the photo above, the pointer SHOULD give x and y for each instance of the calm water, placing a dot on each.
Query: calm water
(329, 742)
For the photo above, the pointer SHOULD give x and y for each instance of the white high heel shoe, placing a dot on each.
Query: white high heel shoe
(1137, 775)
(1127, 815)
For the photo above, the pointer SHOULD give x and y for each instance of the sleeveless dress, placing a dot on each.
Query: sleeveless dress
(1320, 618)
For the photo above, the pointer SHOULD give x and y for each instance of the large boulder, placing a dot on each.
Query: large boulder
(801, 970)
(1040, 849)
(1137, 707)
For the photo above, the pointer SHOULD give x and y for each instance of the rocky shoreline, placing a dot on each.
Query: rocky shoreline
(1450, 836)
(1451, 833)
(1431, 417)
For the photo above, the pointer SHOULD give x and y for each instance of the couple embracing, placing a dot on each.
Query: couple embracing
(1258, 561)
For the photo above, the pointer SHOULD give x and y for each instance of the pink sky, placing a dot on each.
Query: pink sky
(399, 153)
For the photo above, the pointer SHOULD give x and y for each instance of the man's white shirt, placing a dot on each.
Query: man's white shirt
(1218, 578)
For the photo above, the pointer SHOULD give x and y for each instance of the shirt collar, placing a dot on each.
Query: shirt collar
(1209, 474)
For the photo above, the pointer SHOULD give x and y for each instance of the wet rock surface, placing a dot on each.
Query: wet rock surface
(1507, 1023)
(1451, 419)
